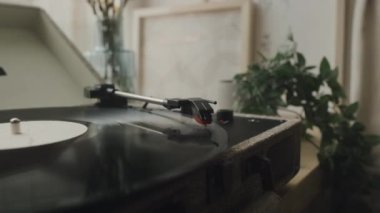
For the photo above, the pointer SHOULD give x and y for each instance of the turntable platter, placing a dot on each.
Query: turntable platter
(37, 133)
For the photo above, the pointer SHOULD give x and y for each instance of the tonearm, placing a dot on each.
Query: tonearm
(108, 95)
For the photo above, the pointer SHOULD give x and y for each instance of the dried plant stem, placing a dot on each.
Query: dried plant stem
(107, 9)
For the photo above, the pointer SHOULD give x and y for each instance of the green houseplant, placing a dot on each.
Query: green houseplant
(344, 151)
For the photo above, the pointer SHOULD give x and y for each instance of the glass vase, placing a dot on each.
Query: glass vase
(114, 63)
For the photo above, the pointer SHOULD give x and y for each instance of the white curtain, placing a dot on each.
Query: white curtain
(362, 59)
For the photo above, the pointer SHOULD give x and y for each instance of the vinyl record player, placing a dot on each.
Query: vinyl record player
(61, 151)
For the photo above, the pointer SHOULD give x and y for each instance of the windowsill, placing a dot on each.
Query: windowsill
(305, 186)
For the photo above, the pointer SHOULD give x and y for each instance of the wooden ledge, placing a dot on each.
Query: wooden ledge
(299, 192)
(305, 186)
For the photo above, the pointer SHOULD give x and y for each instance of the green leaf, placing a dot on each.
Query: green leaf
(324, 68)
(337, 90)
(254, 67)
(334, 74)
(359, 127)
(350, 110)
(262, 56)
(239, 77)
(307, 68)
(301, 61)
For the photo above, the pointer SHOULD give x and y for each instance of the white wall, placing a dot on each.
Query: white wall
(311, 21)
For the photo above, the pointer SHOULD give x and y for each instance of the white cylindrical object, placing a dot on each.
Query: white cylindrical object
(15, 126)
(225, 99)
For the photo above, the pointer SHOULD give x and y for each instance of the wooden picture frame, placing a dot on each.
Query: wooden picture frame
(340, 38)
(244, 8)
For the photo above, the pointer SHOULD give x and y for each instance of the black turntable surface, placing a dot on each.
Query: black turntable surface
(123, 152)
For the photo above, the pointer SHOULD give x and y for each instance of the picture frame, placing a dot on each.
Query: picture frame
(340, 38)
(147, 37)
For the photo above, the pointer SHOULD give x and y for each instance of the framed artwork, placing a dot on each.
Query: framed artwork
(186, 51)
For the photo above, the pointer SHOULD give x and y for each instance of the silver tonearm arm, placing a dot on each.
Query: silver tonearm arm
(141, 98)
(107, 95)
